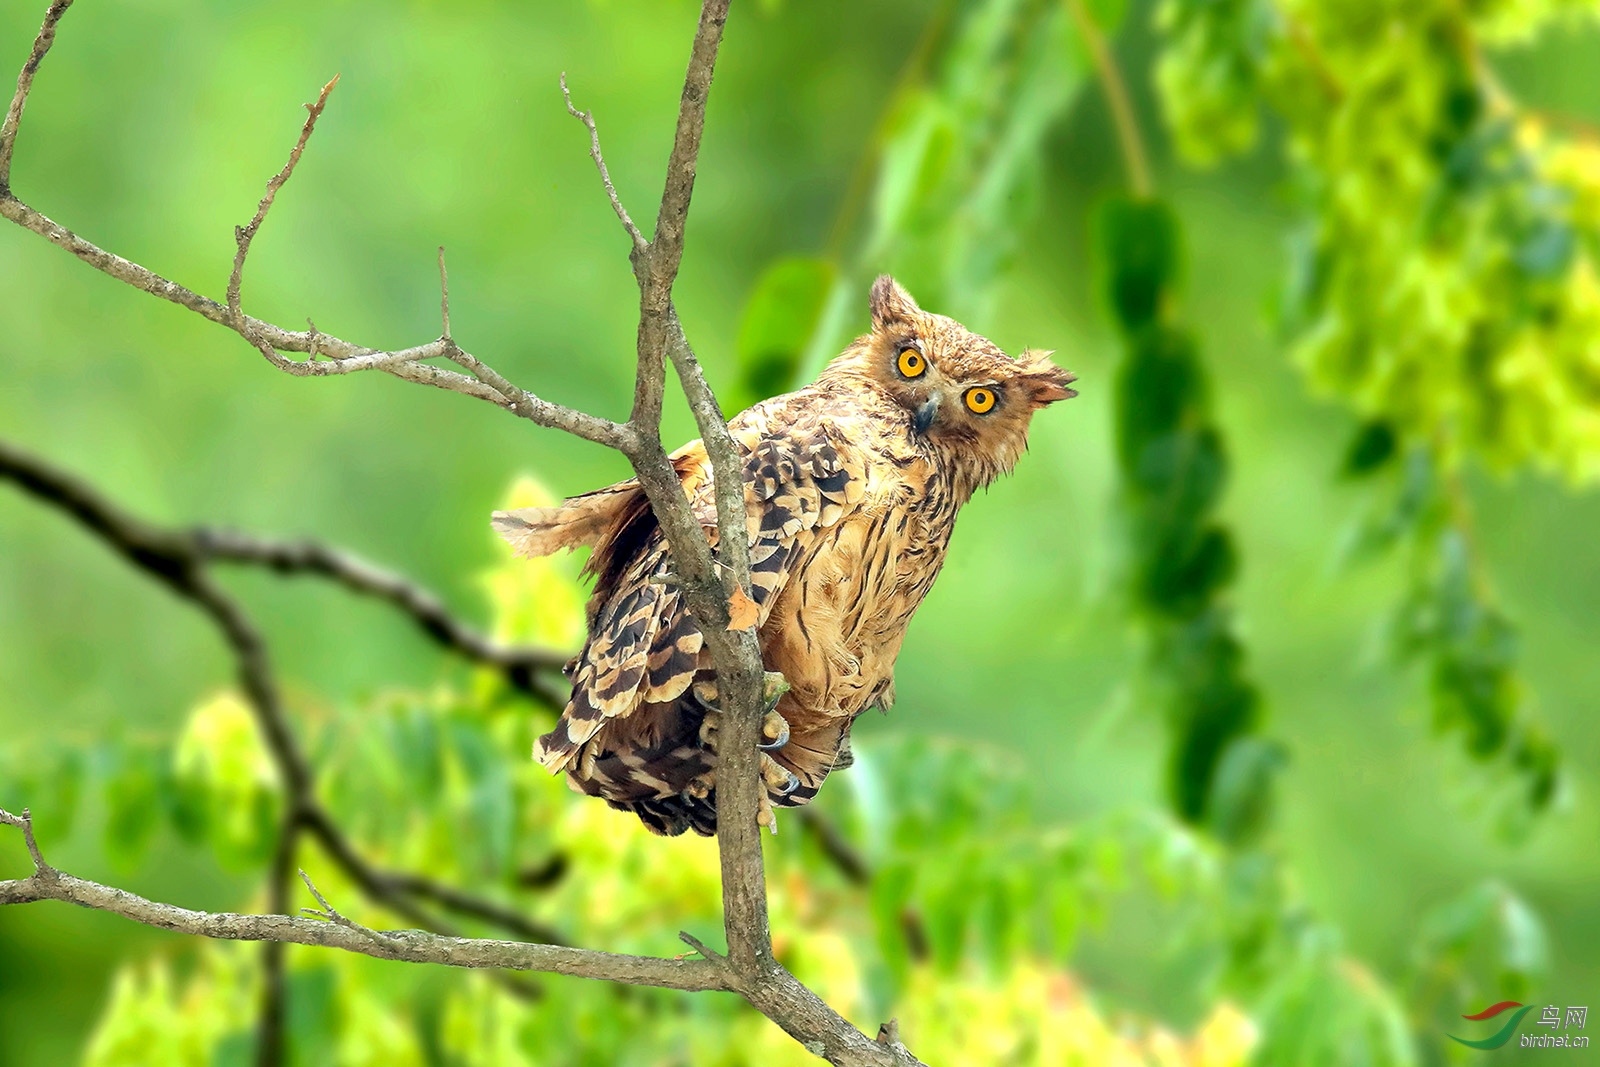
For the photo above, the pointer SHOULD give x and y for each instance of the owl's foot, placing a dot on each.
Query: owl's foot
(766, 816)
(774, 727)
(708, 730)
(778, 778)
(774, 730)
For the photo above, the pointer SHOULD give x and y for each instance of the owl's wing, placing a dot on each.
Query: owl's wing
(644, 650)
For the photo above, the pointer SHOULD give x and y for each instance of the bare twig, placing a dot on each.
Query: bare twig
(587, 118)
(649, 383)
(13, 119)
(444, 295)
(520, 664)
(243, 235)
(343, 357)
(699, 946)
(328, 913)
(24, 822)
(416, 946)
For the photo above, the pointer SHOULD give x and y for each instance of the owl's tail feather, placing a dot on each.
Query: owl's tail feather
(671, 816)
(581, 520)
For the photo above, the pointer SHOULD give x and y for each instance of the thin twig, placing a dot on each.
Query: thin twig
(243, 235)
(416, 946)
(699, 946)
(329, 913)
(520, 664)
(13, 119)
(444, 295)
(649, 385)
(344, 357)
(587, 118)
(24, 822)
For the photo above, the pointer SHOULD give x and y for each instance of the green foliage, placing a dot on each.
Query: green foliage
(1445, 284)
(225, 786)
(1327, 1010)
(1481, 947)
(1180, 560)
(959, 157)
(1449, 623)
(1449, 282)
(779, 319)
(995, 888)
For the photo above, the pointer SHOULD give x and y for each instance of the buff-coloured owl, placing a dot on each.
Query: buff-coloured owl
(852, 486)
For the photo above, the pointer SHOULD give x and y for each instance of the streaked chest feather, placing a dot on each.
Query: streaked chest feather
(835, 632)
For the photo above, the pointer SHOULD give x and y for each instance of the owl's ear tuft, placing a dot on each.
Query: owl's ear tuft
(890, 303)
(1044, 382)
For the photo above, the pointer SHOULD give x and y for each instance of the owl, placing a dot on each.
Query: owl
(851, 485)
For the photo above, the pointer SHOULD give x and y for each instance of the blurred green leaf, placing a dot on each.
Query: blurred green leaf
(312, 1024)
(137, 794)
(1373, 446)
(780, 316)
(488, 814)
(1240, 802)
(1137, 242)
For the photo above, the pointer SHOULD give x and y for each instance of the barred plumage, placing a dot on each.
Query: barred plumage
(852, 486)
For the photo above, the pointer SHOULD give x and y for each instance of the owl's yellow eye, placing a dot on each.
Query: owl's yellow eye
(980, 401)
(911, 363)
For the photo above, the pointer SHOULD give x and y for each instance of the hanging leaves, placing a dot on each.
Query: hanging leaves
(1180, 559)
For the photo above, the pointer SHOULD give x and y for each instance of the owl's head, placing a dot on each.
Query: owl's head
(969, 402)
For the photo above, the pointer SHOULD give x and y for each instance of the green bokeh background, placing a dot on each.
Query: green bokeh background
(150, 132)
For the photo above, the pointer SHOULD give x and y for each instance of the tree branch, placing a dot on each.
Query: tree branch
(413, 946)
(13, 119)
(518, 663)
(272, 1015)
(177, 560)
(243, 235)
(736, 655)
(587, 118)
(328, 354)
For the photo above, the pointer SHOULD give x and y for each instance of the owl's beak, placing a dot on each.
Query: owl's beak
(923, 418)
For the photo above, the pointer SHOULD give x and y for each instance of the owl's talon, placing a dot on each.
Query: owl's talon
(775, 728)
(766, 816)
(778, 778)
(701, 785)
(708, 730)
